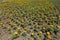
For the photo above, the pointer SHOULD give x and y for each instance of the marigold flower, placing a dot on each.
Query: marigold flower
(32, 33)
(52, 25)
(24, 31)
(49, 36)
(58, 26)
(40, 32)
(22, 21)
(18, 28)
(16, 33)
(40, 19)
(48, 33)
(36, 26)
(59, 16)
(9, 28)
(1, 23)
(44, 28)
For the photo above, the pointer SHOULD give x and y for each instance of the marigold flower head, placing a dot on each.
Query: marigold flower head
(22, 21)
(49, 36)
(58, 26)
(16, 33)
(24, 31)
(44, 28)
(48, 33)
(40, 32)
(32, 33)
(52, 25)
(1, 23)
(18, 28)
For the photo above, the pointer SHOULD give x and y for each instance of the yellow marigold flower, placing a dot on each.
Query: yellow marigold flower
(22, 21)
(40, 32)
(38, 15)
(1, 23)
(9, 28)
(11, 14)
(45, 24)
(59, 16)
(24, 31)
(58, 26)
(53, 17)
(44, 28)
(14, 24)
(32, 33)
(48, 33)
(18, 28)
(16, 33)
(16, 13)
(32, 16)
(42, 14)
(36, 26)
(49, 36)
(16, 20)
(40, 19)
(52, 25)
(43, 9)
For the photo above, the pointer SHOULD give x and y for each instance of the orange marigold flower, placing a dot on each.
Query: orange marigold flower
(49, 36)
(48, 33)
(58, 26)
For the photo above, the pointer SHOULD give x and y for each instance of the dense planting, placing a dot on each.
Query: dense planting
(33, 19)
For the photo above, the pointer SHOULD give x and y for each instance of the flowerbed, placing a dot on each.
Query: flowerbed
(33, 19)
